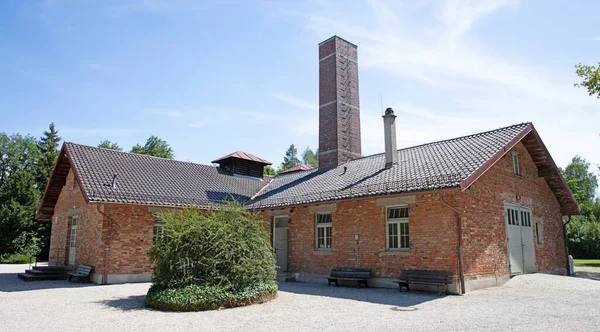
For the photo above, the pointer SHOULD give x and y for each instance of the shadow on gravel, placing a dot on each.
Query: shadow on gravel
(10, 283)
(374, 295)
(588, 275)
(134, 302)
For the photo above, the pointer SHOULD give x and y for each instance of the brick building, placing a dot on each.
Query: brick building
(484, 206)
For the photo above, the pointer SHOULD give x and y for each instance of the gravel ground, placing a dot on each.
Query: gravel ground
(537, 302)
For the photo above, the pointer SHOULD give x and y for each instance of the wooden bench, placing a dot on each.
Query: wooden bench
(358, 274)
(82, 273)
(420, 277)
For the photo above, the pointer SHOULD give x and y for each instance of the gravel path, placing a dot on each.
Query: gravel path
(536, 302)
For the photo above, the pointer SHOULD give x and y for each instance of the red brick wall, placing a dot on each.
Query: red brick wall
(132, 228)
(484, 228)
(89, 249)
(433, 229)
(432, 233)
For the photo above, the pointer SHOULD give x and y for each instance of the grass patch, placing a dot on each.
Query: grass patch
(587, 262)
(204, 297)
(16, 259)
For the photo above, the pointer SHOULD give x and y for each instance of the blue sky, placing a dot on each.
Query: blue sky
(239, 75)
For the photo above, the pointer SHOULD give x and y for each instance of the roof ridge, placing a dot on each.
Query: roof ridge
(139, 154)
(448, 139)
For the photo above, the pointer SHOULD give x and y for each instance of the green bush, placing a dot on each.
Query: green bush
(584, 238)
(210, 259)
(202, 297)
(16, 259)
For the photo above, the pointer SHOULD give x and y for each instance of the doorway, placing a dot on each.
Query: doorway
(280, 242)
(521, 251)
(73, 240)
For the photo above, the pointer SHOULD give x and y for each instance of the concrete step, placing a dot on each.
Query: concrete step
(52, 268)
(46, 272)
(285, 277)
(34, 277)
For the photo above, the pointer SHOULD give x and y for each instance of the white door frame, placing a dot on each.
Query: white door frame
(282, 268)
(73, 239)
(527, 260)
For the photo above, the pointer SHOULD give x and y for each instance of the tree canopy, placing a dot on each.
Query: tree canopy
(590, 76)
(310, 158)
(582, 182)
(583, 232)
(156, 147)
(48, 149)
(290, 159)
(106, 144)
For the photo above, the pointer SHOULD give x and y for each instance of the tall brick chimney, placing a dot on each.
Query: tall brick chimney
(339, 109)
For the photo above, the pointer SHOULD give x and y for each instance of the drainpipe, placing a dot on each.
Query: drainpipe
(459, 244)
(107, 248)
(567, 245)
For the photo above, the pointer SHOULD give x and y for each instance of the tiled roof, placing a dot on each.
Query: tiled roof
(430, 166)
(242, 155)
(301, 167)
(149, 180)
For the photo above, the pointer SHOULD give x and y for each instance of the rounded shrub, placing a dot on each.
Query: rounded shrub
(210, 259)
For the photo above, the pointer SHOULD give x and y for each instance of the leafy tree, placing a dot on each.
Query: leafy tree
(583, 232)
(48, 147)
(17, 153)
(591, 78)
(582, 182)
(310, 158)
(290, 160)
(156, 147)
(106, 144)
(268, 170)
(18, 201)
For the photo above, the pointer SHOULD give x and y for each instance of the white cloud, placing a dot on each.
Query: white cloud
(483, 89)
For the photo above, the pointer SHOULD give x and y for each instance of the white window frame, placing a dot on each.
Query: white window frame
(399, 222)
(158, 231)
(327, 245)
(516, 165)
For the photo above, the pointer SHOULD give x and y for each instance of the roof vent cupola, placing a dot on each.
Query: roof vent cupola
(243, 164)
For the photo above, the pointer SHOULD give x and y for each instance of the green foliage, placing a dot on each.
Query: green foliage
(17, 153)
(290, 160)
(310, 158)
(16, 259)
(48, 148)
(583, 232)
(204, 297)
(207, 258)
(106, 144)
(584, 238)
(18, 202)
(23, 164)
(591, 78)
(156, 147)
(268, 170)
(582, 182)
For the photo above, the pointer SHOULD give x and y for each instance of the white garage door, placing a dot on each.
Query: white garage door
(521, 251)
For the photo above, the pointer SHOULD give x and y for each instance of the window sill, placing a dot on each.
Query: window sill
(323, 251)
(397, 251)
